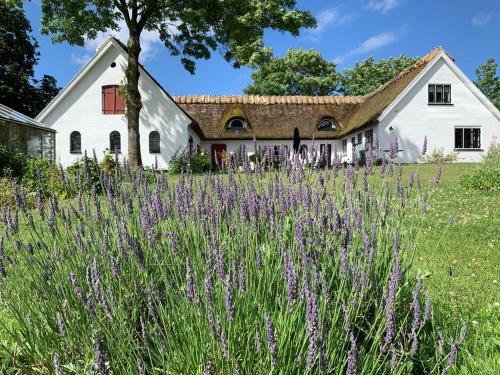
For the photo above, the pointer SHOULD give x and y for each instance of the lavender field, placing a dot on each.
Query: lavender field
(285, 270)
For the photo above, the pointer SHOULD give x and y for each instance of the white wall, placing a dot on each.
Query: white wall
(412, 119)
(81, 109)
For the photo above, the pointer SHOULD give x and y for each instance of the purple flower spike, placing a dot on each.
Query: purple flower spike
(271, 339)
(424, 146)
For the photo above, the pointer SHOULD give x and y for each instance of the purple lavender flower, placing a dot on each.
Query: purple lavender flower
(352, 358)
(463, 333)
(271, 339)
(440, 342)
(258, 341)
(228, 297)
(452, 357)
(140, 367)
(312, 329)
(191, 289)
(222, 338)
(100, 358)
(60, 325)
(427, 308)
(424, 146)
(57, 365)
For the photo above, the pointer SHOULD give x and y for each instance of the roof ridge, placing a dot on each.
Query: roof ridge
(423, 60)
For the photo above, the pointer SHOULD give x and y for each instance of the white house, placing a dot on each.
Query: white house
(432, 99)
(88, 113)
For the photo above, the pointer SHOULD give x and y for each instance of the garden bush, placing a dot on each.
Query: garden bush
(438, 156)
(292, 271)
(181, 162)
(487, 175)
(12, 163)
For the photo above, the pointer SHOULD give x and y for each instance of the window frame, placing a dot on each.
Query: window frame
(71, 150)
(344, 146)
(119, 151)
(157, 149)
(368, 138)
(334, 124)
(434, 91)
(472, 129)
(237, 129)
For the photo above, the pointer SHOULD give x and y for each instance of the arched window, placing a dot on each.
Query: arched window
(236, 123)
(327, 123)
(115, 142)
(75, 142)
(154, 142)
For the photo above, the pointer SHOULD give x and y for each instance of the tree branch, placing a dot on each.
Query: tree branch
(121, 5)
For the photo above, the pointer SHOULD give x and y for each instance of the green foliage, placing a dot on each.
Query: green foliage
(43, 174)
(200, 162)
(6, 193)
(488, 81)
(12, 163)
(369, 75)
(181, 162)
(487, 176)
(18, 55)
(300, 72)
(437, 156)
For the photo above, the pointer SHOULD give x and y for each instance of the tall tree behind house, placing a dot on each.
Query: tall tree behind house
(19, 89)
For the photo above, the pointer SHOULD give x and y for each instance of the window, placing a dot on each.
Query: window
(467, 138)
(369, 138)
(75, 143)
(439, 94)
(353, 142)
(154, 142)
(112, 102)
(344, 146)
(360, 138)
(236, 123)
(327, 123)
(115, 142)
(303, 150)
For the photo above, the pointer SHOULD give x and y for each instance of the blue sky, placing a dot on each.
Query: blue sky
(348, 31)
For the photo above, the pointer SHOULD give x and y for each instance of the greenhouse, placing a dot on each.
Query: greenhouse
(22, 133)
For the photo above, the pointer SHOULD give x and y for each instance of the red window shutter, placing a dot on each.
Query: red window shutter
(120, 103)
(108, 100)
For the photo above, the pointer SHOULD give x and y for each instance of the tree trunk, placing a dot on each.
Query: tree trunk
(134, 103)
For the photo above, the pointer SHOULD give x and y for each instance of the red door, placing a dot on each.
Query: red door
(218, 154)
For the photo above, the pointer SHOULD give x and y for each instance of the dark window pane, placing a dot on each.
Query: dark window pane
(476, 138)
(439, 93)
(459, 133)
(75, 142)
(447, 94)
(154, 142)
(431, 93)
(360, 137)
(115, 142)
(467, 138)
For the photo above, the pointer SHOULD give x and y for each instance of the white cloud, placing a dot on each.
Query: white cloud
(383, 6)
(369, 45)
(481, 19)
(329, 18)
(150, 41)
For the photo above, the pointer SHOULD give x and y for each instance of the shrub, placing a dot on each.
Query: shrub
(226, 274)
(487, 176)
(44, 175)
(437, 156)
(179, 163)
(200, 162)
(12, 163)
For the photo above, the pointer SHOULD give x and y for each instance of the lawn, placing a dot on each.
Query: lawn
(457, 253)
(459, 249)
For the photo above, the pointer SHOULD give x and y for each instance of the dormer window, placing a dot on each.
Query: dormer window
(237, 123)
(439, 94)
(327, 123)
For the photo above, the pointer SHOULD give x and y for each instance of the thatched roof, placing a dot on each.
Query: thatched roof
(276, 117)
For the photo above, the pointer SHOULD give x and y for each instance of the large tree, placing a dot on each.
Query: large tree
(18, 55)
(299, 72)
(368, 75)
(488, 81)
(188, 28)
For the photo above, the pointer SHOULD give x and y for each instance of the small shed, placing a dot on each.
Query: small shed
(22, 133)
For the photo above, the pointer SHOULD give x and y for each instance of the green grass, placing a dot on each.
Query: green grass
(459, 249)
